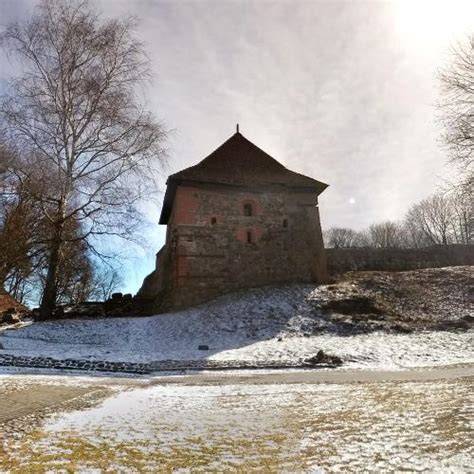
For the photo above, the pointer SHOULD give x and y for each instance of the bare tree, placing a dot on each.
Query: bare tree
(21, 231)
(17, 249)
(433, 217)
(414, 235)
(75, 278)
(462, 203)
(24, 235)
(76, 113)
(385, 234)
(457, 108)
(106, 281)
(342, 237)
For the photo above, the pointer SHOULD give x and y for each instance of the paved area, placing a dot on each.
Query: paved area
(23, 402)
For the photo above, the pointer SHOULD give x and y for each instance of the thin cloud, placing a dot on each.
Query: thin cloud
(335, 90)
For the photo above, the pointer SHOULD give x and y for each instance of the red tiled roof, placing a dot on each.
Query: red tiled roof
(238, 162)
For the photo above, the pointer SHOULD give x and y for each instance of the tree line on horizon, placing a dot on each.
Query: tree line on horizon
(444, 218)
(447, 216)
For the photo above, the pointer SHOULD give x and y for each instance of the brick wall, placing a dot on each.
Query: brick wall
(209, 252)
(342, 260)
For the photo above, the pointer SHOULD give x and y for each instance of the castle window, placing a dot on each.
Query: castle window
(285, 223)
(213, 221)
(248, 211)
(249, 237)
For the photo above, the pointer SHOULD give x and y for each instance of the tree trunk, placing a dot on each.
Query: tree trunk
(48, 301)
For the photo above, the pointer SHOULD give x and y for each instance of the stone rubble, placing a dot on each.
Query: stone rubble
(148, 368)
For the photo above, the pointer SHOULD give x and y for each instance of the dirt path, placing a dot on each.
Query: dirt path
(318, 377)
(350, 427)
(19, 401)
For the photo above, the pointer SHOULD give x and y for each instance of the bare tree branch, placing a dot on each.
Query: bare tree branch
(75, 113)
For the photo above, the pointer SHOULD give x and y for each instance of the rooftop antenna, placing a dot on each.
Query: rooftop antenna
(237, 128)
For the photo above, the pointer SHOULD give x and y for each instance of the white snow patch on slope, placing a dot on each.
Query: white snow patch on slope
(238, 327)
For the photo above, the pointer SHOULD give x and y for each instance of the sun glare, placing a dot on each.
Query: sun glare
(438, 21)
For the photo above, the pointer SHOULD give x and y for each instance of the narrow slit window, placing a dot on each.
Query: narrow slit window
(248, 211)
(285, 223)
(249, 237)
(213, 221)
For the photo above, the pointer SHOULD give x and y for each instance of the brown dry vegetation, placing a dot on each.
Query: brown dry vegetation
(434, 299)
(388, 426)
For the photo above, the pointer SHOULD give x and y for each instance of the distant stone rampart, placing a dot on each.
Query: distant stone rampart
(395, 259)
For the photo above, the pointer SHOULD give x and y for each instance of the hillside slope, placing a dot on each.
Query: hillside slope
(415, 318)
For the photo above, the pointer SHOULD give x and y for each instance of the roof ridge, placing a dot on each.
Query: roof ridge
(238, 162)
(222, 145)
(199, 162)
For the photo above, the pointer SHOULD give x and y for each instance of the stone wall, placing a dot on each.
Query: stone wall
(213, 247)
(391, 259)
(148, 368)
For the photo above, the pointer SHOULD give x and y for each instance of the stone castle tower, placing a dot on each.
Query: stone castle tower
(237, 219)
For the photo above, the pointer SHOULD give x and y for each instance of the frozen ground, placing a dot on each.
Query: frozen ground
(369, 427)
(287, 323)
(293, 421)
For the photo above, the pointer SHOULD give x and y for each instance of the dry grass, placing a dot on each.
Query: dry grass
(357, 427)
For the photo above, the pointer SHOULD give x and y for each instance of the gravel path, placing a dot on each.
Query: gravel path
(419, 420)
(322, 376)
(19, 401)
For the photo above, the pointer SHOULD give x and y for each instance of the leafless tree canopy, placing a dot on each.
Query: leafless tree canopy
(443, 218)
(386, 234)
(24, 237)
(75, 114)
(433, 218)
(21, 230)
(343, 237)
(457, 108)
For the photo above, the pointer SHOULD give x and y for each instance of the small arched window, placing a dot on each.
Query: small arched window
(213, 221)
(285, 223)
(248, 211)
(249, 237)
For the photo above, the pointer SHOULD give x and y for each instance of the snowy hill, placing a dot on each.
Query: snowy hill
(369, 319)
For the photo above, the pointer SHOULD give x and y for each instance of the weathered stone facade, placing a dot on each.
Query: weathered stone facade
(255, 226)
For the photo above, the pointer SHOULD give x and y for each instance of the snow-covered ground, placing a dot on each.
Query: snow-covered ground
(269, 324)
(273, 422)
(381, 427)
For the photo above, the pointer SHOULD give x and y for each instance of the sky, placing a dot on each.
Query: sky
(344, 92)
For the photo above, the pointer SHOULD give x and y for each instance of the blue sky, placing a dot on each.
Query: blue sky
(344, 92)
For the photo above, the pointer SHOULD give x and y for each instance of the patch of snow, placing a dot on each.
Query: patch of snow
(382, 427)
(277, 324)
